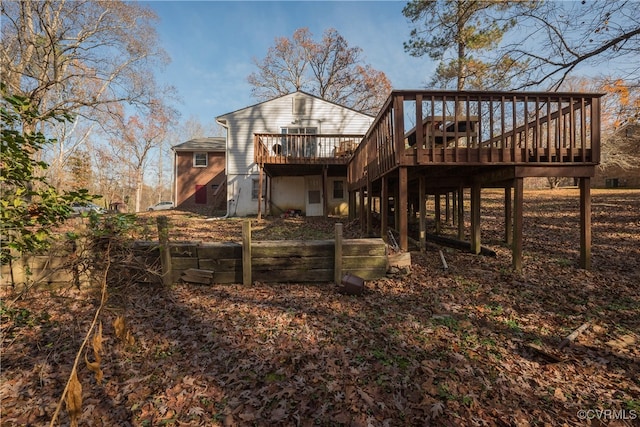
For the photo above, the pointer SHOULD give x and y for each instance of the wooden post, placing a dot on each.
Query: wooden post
(437, 213)
(475, 218)
(585, 223)
(352, 205)
(363, 217)
(447, 209)
(246, 252)
(516, 245)
(422, 184)
(268, 195)
(260, 193)
(508, 213)
(337, 269)
(384, 208)
(325, 192)
(401, 206)
(454, 206)
(165, 254)
(461, 213)
(369, 212)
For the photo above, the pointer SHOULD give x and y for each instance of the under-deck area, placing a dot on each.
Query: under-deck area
(441, 143)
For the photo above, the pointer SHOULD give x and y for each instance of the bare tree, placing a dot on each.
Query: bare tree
(330, 69)
(134, 139)
(73, 57)
(557, 37)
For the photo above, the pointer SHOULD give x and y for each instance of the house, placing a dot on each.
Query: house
(290, 154)
(200, 181)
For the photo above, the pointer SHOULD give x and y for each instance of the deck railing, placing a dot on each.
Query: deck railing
(302, 149)
(475, 128)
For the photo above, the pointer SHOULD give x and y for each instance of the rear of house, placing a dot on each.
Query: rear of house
(300, 164)
(200, 181)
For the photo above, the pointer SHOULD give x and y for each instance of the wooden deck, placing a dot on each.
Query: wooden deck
(479, 129)
(442, 142)
(287, 154)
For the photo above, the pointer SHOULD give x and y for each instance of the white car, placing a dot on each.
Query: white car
(160, 206)
(79, 208)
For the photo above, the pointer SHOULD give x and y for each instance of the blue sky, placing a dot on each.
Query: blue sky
(212, 44)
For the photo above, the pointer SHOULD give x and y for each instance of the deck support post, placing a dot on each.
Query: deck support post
(260, 195)
(325, 196)
(396, 216)
(461, 213)
(437, 213)
(508, 216)
(422, 199)
(369, 209)
(447, 207)
(384, 208)
(401, 207)
(475, 217)
(362, 210)
(454, 207)
(585, 223)
(352, 205)
(516, 244)
(267, 196)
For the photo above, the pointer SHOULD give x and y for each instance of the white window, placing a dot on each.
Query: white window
(200, 160)
(338, 189)
(255, 185)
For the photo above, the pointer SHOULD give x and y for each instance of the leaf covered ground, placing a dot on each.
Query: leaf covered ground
(474, 345)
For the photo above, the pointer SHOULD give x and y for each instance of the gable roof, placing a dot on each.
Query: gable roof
(299, 92)
(212, 143)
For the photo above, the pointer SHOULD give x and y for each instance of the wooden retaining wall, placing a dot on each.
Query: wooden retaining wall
(280, 260)
(266, 261)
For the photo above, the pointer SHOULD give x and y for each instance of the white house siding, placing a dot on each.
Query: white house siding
(271, 117)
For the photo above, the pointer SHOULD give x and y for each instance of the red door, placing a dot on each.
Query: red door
(201, 194)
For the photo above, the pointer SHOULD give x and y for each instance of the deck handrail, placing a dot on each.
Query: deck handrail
(485, 128)
(283, 148)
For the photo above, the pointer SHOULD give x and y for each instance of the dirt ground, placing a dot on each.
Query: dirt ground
(474, 345)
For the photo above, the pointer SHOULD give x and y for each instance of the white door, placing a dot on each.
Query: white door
(313, 195)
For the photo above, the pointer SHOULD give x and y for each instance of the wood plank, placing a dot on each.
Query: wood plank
(228, 277)
(363, 247)
(178, 263)
(290, 248)
(184, 249)
(219, 250)
(317, 275)
(349, 263)
(291, 263)
(221, 264)
(200, 272)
